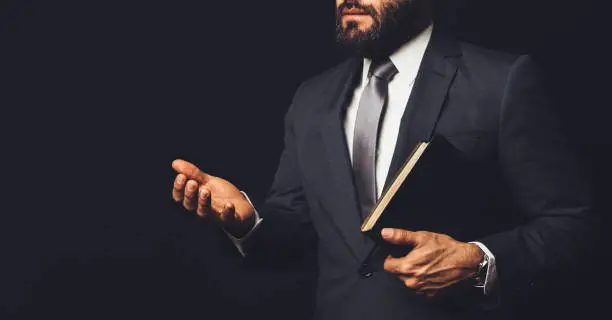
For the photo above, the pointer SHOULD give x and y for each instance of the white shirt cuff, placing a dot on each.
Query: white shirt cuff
(239, 242)
(491, 275)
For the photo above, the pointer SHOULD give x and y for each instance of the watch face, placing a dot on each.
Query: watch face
(480, 275)
(484, 263)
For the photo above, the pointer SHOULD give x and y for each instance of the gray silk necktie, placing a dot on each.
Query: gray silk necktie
(369, 114)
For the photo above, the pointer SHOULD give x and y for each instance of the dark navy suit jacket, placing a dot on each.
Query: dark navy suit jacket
(513, 183)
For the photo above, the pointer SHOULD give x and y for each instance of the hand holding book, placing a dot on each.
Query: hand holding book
(426, 262)
(435, 263)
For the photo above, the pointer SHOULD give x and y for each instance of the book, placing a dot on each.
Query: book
(370, 221)
(388, 211)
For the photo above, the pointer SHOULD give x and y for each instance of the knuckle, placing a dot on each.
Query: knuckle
(193, 171)
(419, 274)
(190, 193)
(387, 266)
(421, 236)
(405, 267)
(397, 235)
(406, 234)
(203, 196)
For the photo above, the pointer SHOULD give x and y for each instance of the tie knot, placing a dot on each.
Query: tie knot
(382, 69)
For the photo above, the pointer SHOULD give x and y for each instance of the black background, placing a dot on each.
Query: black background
(98, 97)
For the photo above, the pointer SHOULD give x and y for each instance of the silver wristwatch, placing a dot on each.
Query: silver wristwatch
(481, 274)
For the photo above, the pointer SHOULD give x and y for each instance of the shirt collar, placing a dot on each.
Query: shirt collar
(407, 58)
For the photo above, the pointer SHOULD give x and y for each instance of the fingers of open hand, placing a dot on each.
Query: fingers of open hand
(190, 197)
(227, 215)
(178, 189)
(190, 170)
(204, 201)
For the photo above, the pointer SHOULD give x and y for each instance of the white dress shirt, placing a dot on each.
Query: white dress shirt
(407, 59)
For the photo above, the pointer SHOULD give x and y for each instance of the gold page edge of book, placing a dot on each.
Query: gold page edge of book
(404, 171)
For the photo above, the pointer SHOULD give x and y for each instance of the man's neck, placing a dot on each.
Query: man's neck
(393, 42)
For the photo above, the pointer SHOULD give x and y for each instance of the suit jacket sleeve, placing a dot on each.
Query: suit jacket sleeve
(545, 181)
(286, 229)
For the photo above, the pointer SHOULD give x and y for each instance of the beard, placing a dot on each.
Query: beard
(393, 25)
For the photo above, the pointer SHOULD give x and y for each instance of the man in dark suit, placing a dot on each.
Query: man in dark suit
(505, 205)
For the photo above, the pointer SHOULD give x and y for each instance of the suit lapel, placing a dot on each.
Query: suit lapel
(342, 205)
(424, 107)
(437, 71)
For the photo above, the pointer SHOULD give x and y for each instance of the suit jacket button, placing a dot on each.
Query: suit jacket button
(365, 271)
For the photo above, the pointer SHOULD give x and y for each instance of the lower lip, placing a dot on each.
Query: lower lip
(354, 16)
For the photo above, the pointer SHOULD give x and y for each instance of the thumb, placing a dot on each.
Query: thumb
(190, 170)
(399, 236)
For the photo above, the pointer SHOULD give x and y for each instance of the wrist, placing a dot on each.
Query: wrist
(475, 259)
(247, 219)
(243, 227)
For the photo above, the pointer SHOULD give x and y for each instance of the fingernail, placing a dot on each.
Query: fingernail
(386, 232)
(181, 179)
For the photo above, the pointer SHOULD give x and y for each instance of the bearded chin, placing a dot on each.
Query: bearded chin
(390, 29)
(352, 39)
